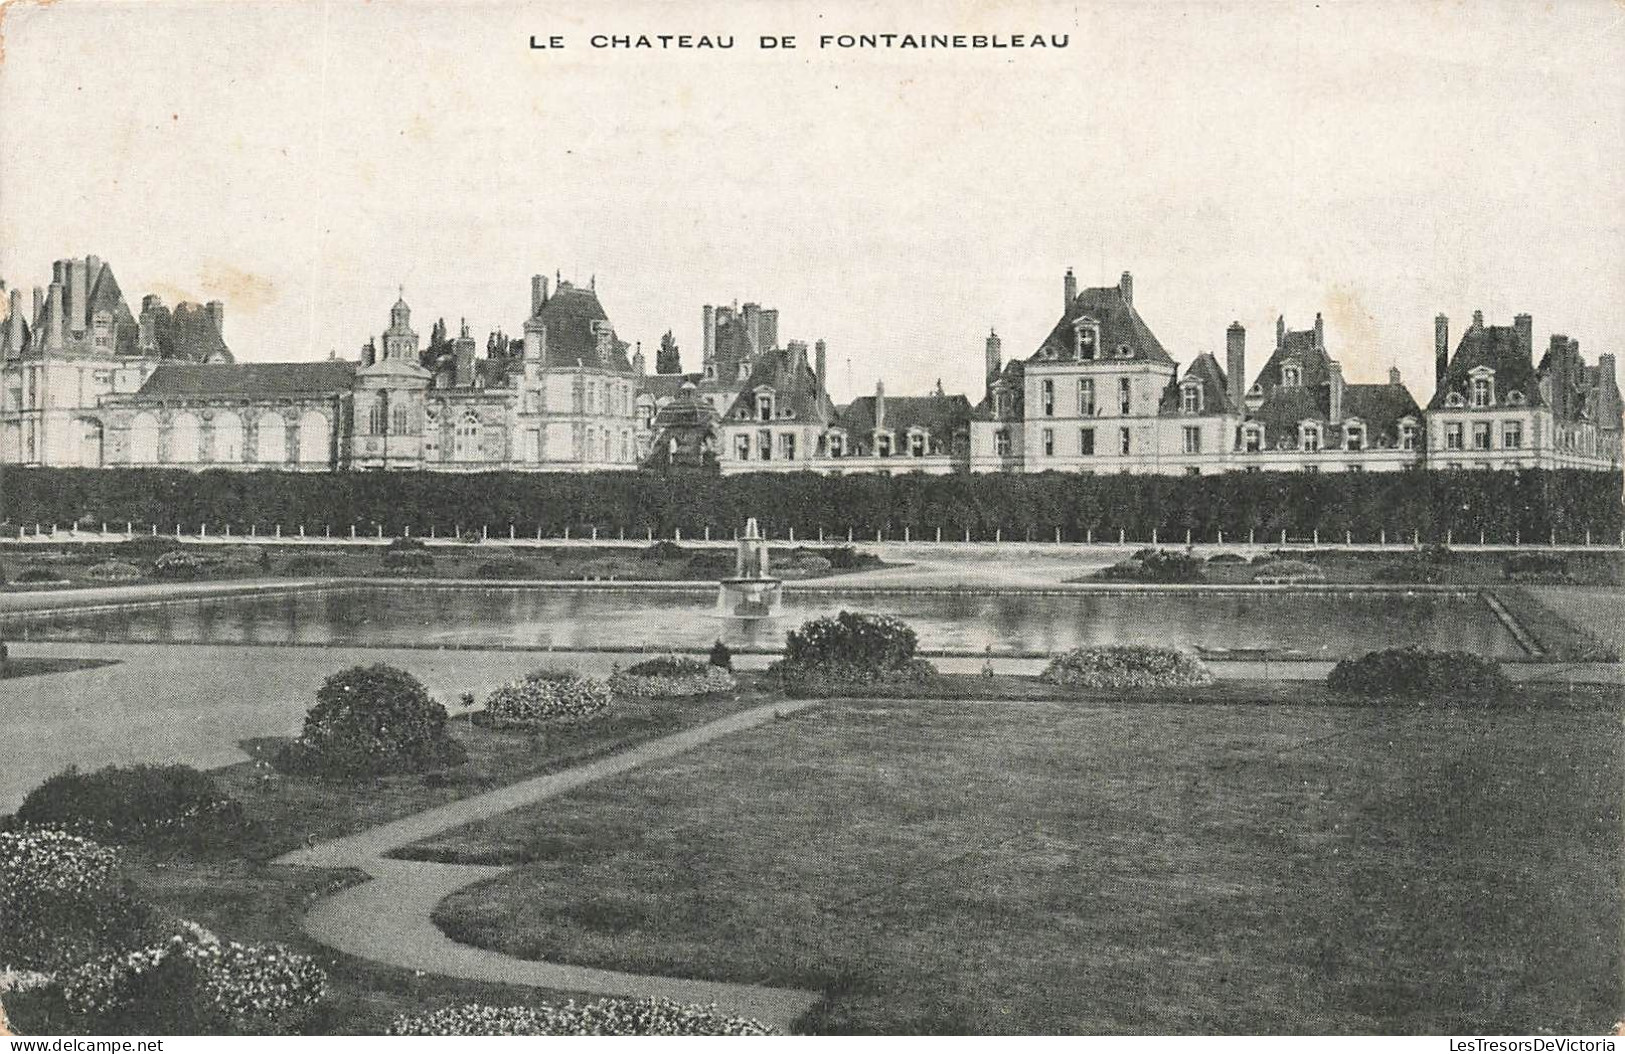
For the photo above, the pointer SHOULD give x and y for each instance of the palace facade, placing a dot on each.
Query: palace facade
(84, 381)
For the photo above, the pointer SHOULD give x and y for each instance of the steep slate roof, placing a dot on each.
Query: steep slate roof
(1013, 377)
(186, 334)
(1120, 324)
(1215, 393)
(569, 315)
(105, 295)
(1283, 408)
(1498, 348)
(249, 380)
(791, 377)
(1381, 407)
(1301, 346)
(943, 416)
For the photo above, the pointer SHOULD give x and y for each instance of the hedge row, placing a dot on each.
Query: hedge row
(1502, 505)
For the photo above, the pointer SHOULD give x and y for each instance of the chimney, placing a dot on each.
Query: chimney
(462, 357)
(880, 406)
(1524, 326)
(535, 340)
(369, 352)
(1235, 362)
(604, 337)
(14, 322)
(93, 270)
(53, 318)
(1125, 286)
(1069, 288)
(217, 315)
(147, 338)
(821, 358)
(708, 319)
(39, 306)
(1320, 333)
(753, 328)
(770, 327)
(1478, 320)
(1393, 376)
(639, 366)
(1280, 332)
(1334, 380)
(994, 359)
(78, 301)
(1441, 349)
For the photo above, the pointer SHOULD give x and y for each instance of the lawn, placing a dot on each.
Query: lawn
(1101, 867)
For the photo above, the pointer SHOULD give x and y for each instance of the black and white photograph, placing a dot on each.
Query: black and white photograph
(991, 518)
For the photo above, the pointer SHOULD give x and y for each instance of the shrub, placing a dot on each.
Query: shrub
(1435, 553)
(121, 804)
(852, 639)
(113, 571)
(542, 696)
(38, 574)
(1289, 569)
(671, 677)
(810, 565)
(1410, 570)
(1522, 567)
(308, 564)
(838, 678)
(845, 558)
(195, 984)
(64, 899)
(1160, 565)
(406, 544)
(603, 1017)
(369, 721)
(1417, 672)
(721, 656)
(664, 550)
(1126, 666)
(1227, 558)
(407, 561)
(505, 569)
(177, 565)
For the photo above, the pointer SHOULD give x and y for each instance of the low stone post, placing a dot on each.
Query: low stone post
(510, 532)
(939, 534)
(202, 531)
(302, 531)
(279, 530)
(352, 532)
(998, 534)
(906, 533)
(485, 531)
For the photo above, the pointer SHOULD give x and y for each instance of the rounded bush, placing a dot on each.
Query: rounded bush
(64, 899)
(1420, 673)
(542, 696)
(851, 638)
(671, 677)
(129, 803)
(603, 1017)
(721, 656)
(38, 574)
(1126, 666)
(1164, 566)
(369, 721)
(178, 566)
(1227, 558)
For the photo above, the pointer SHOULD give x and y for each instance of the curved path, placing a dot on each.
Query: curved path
(389, 918)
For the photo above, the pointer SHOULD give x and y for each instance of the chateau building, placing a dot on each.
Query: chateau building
(84, 381)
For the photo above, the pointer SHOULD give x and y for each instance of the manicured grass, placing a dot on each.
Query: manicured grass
(37, 666)
(1101, 867)
(1462, 567)
(1563, 639)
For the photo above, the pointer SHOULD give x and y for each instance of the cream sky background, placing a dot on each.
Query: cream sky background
(1378, 162)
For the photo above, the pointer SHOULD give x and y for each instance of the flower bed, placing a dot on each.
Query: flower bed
(1420, 673)
(1126, 666)
(120, 804)
(1278, 572)
(671, 677)
(603, 1017)
(64, 899)
(113, 571)
(542, 696)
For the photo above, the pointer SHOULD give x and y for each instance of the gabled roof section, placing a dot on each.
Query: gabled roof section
(105, 296)
(250, 380)
(794, 384)
(1284, 408)
(1303, 348)
(572, 315)
(188, 334)
(1206, 372)
(1120, 326)
(1498, 348)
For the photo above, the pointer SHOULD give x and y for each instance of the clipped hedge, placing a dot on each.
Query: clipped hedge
(603, 1017)
(542, 696)
(372, 721)
(1420, 673)
(1126, 666)
(130, 803)
(64, 899)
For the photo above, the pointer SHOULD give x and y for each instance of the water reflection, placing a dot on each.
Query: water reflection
(1327, 625)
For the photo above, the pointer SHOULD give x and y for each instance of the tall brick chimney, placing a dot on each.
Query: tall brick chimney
(538, 293)
(535, 339)
(1280, 332)
(770, 327)
(39, 306)
(821, 360)
(1069, 289)
(995, 359)
(1320, 333)
(217, 315)
(1524, 326)
(1393, 376)
(1441, 349)
(1235, 362)
(753, 328)
(462, 358)
(1125, 287)
(78, 296)
(1334, 381)
(53, 319)
(708, 320)
(880, 406)
(14, 321)
(147, 337)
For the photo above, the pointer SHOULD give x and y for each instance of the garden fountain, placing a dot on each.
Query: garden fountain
(751, 593)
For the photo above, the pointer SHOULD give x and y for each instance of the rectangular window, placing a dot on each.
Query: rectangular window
(1001, 442)
(1311, 439)
(1122, 441)
(764, 445)
(837, 446)
(742, 447)
(1049, 442)
(1086, 397)
(1512, 435)
(1125, 389)
(787, 446)
(1354, 439)
(764, 407)
(1086, 442)
(1452, 435)
(1254, 440)
(1193, 440)
(916, 444)
(1407, 437)
(1481, 435)
(1046, 394)
(1190, 399)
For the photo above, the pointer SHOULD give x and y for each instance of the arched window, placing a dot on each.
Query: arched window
(378, 416)
(271, 438)
(144, 439)
(465, 445)
(397, 421)
(228, 438)
(314, 438)
(183, 436)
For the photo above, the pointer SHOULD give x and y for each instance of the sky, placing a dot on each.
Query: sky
(1377, 162)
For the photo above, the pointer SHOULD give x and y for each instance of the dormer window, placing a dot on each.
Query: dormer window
(1309, 436)
(1515, 398)
(1085, 338)
(1455, 401)
(1407, 434)
(764, 406)
(1483, 390)
(918, 444)
(1252, 438)
(1354, 436)
(837, 444)
(1190, 399)
(1124, 351)
(883, 444)
(1291, 376)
